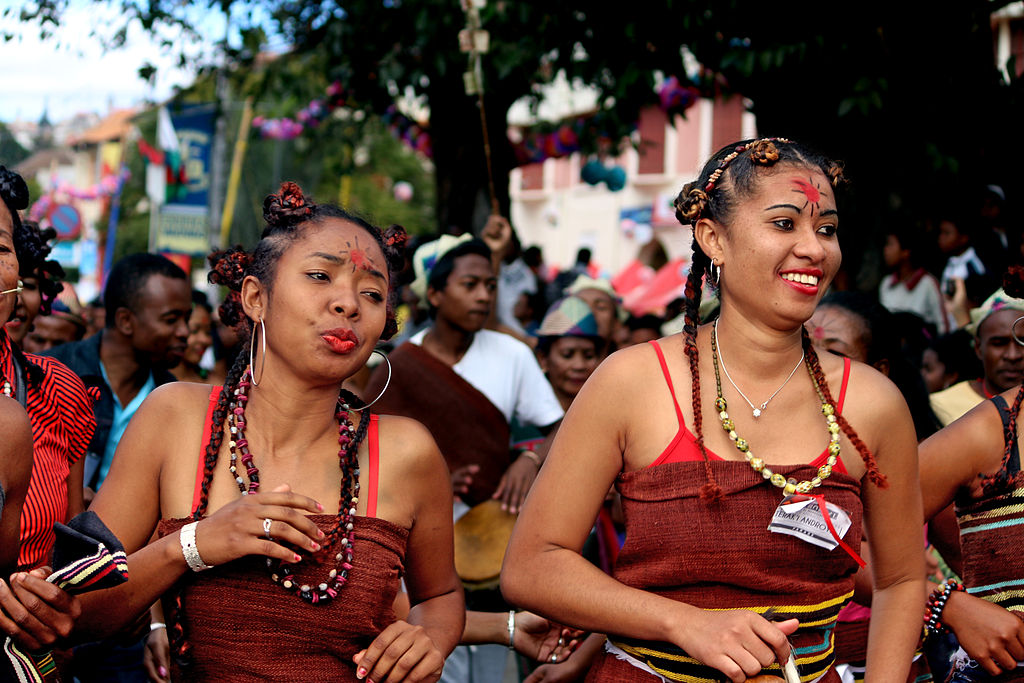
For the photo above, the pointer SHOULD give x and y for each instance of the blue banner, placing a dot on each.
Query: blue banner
(193, 125)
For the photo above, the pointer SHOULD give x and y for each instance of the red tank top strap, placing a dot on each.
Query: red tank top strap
(668, 380)
(842, 389)
(196, 492)
(373, 446)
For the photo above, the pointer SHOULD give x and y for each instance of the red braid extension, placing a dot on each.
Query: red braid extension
(999, 481)
(710, 491)
(874, 474)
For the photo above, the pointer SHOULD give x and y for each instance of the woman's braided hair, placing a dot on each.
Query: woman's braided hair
(731, 174)
(1013, 285)
(286, 213)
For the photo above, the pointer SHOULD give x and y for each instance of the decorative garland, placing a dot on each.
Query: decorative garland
(107, 187)
(313, 114)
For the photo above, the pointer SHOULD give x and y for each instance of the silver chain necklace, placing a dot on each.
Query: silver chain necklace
(757, 410)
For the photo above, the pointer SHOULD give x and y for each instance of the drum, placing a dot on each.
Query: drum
(481, 537)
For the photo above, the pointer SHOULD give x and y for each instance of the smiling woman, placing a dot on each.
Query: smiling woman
(256, 495)
(728, 570)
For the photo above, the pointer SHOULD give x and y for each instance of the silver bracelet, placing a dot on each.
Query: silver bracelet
(156, 625)
(511, 629)
(189, 549)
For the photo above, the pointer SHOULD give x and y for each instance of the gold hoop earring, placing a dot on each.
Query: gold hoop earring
(1013, 331)
(386, 383)
(252, 348)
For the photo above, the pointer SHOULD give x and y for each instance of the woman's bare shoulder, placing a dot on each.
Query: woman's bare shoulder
(407, 444)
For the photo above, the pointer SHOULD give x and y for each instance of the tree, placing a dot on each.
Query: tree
(909, 96)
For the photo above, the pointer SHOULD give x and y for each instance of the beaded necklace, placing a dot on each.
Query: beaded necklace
(7, 388)
(789, 486)
(341, 532)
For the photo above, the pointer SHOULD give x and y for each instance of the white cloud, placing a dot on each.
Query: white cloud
(70, 73)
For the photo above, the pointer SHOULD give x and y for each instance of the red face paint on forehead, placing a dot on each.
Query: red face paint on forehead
(360, 259)
(809, 191)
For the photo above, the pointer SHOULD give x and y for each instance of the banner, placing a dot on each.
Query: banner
(193, 126)
(182, 229)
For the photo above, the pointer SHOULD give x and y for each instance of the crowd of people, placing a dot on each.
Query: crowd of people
(394, 459)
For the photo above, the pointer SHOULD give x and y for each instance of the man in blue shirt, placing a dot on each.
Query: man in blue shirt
(148, 300)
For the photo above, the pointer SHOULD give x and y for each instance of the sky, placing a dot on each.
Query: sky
(70, 73)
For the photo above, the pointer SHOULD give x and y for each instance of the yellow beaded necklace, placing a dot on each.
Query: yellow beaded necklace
(789, 486)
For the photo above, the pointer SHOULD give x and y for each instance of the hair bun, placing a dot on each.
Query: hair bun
(764, 152)
(690, 204)
(13, 189)
(288, 207)
(229, 267)
(836, 175)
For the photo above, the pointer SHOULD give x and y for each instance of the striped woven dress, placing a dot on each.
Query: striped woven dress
(991, 533)
(721, 557)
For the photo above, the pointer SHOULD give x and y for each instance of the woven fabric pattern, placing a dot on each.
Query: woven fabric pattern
(721, 556)
(242, 627)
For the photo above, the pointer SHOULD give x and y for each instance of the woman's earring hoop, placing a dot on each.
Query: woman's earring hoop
(1013, 331)
(252, 349)
(386, 383)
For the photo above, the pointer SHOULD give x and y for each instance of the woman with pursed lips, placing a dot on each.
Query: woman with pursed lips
(286, 513)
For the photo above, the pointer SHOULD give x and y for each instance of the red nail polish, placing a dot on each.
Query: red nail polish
(296, 558)
(361, 672)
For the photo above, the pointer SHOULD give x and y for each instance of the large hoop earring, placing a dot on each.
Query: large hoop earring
(386, 383)
(252, 348)
(1013, 331)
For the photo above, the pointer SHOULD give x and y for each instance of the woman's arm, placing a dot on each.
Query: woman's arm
(543, 569)
(893, 526)
(414, 650)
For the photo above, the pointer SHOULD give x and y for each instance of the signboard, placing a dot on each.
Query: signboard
(194, 128)
(182, 229)
(66, 220)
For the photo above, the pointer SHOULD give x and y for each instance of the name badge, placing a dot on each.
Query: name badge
(801, 517)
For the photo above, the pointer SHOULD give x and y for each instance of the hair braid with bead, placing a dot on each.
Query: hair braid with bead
(874, 474)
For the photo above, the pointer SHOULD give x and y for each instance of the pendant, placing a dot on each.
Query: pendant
(757, 412)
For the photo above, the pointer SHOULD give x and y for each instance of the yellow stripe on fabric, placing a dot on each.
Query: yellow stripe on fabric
(988, 514)
(646, 653)
(789, 609)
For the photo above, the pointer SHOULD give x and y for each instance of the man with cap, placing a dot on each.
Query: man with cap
(466, 384)
(992, 326)
(604, 302)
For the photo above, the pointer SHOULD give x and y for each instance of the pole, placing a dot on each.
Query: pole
(241, 143)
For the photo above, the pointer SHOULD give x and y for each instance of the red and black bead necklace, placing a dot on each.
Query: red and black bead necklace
(342, 532)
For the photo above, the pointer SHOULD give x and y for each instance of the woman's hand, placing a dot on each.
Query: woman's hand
(35, 613)
(991, 635)
(157, 656)
(542, 640)
(402, 652)
(516, 483)
(236, 530)
(739, 643)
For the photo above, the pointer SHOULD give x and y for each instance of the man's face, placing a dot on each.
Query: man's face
(1002, 357)
(159, 323)
(49, 331)
(466, 300)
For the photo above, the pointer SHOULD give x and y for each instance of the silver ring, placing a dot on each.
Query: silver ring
(561, 641)
(554, 658)
(266, 529)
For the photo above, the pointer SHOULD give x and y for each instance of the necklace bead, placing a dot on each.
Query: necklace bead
(788, 486)
(342, 533)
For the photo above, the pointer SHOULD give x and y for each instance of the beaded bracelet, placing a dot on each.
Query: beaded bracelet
(936, 604)
(189, 549)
